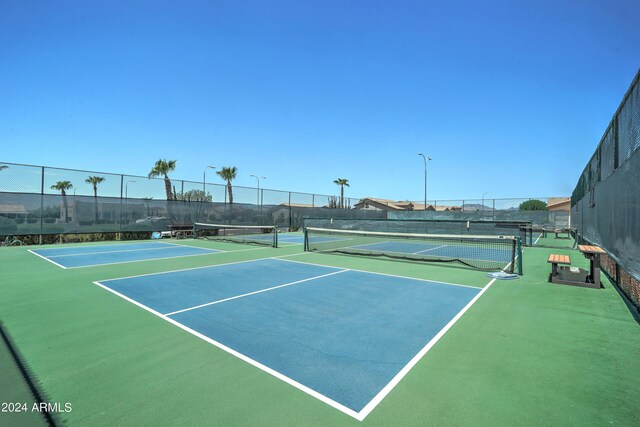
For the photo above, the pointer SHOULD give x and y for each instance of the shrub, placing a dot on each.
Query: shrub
(533, 205)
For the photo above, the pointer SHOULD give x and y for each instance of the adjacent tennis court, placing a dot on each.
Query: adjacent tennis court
(93, 255)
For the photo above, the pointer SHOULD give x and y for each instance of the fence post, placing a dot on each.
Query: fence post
(120, 216)
(289, 210)
(41, 206)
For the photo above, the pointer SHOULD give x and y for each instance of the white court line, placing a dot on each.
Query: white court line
(432, 249)
(255, 292)
(211, 252)
(282, 258)
(104, 244)
(210, 266)
(46, 259)
(172, 246)
(244, 358)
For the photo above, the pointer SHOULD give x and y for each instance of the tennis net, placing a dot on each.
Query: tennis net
(522, 229)
(258, 234)
(479, 252)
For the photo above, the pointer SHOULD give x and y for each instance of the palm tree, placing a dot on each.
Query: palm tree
(228, 174)
(95, 180)
(341, 182)
(63, 186)
(163, 167)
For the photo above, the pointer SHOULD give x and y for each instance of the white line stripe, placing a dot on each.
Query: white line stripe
(432, 249)
(244, 358)
(282, 258)
(128, 250)
(93, 245)
(210, 252)
(396, 379)
(47, 259)
(255, 292)
(536, 242)
(203, 266)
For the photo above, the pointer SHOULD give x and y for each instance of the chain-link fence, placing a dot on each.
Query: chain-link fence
(40, 200)
(605, 205)
(45, 200)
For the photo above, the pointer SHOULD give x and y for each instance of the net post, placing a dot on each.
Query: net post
(519, 255)
(275, 236)
(306, 239)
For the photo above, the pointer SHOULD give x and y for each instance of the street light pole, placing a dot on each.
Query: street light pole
(204, 178)
(258, 179)
(425, 158)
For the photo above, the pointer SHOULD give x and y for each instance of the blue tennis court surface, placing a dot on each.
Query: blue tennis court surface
(341, 335)
(86, 256)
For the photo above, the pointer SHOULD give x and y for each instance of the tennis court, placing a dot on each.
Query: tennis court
(88, 256)
(340, 335)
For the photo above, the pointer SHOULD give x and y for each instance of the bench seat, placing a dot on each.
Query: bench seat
(555, 259)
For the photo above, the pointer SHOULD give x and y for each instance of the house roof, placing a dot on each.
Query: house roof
(403, 205)
(13, 209)
(390, 204)
(558, 203)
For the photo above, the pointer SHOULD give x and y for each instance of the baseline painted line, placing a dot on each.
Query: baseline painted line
(242, 357)
(212, 252)
(46, 259)
(106, 246)
(255, 292)
(173, 246)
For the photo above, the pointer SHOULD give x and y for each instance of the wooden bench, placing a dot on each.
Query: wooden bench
(592, 253)
(555, 260)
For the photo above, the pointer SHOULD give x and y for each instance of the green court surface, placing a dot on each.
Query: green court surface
(552, 241)
(527, 352)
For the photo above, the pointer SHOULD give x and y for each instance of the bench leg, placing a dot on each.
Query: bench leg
(595, 270)
(554, 269)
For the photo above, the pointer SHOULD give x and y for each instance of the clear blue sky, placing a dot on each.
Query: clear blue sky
(507, 97)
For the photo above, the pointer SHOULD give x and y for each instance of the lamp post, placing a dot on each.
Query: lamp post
(425, 158)
(204, 178)
(258, 179)
(484, 194)
(126, 189)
